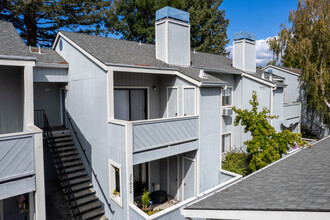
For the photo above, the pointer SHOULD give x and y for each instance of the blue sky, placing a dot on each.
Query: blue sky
(261, 17)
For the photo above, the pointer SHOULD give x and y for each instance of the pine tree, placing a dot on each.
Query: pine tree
(37, 21)
(306, 45)
(135, 20)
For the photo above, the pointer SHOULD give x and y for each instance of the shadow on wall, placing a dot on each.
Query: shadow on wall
(83, 146)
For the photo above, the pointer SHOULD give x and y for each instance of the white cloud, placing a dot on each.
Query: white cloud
(264, 55)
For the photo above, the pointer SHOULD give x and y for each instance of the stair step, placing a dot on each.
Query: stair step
(70, 158)
(75, 175)
(76, 181)
(89, 206)
(103, 217)
(72, 163)
(93, 214)
(66, 148)
(72, 169)
(61, 134)
(86, 200)
(63, 139)
(68, 153)
(81, 186)
(83, 193)
(64, 143)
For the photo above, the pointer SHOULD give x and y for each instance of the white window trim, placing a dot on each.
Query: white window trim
(231, 97)
(231, 142)
(195, 93)
(177, 100)
(117, 199)
(137, 87)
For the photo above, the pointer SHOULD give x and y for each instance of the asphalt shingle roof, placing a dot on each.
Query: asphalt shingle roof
(300, 182)
(11, 43)
(47, 56)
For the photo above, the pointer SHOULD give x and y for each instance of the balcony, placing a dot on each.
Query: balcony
(157, 133)
(291, 114)
(291, 110)
(17, 162)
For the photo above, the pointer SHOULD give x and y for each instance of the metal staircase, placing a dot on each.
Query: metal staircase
(76, 185)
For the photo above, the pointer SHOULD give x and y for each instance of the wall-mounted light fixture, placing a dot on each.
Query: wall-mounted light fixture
(154, 88)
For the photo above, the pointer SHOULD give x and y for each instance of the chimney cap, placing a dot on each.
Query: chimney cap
(244, 35)
(172, 13)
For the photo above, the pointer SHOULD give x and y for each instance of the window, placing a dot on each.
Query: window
(226, 143)
(130, 104)
(227, 97)
(115, 181)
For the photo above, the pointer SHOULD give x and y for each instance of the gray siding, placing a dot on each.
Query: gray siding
(158, 133)
(47, 96)
(291, 92)
(209, 142)
(50, 74)
(16, 157)
(11, 99)
(86, 101)
(278, 108)
(164, 152)
(17, 187)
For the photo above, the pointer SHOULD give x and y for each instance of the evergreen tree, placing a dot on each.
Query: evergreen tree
(306, 45)
(37, 21)
(135, 20)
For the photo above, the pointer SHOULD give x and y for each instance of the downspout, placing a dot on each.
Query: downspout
(271, 102)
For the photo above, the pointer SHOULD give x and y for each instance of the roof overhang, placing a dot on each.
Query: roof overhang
(23, 58)
(223, 71)
(52, 65)
(250, 76)
(281, 69)
(254, 214)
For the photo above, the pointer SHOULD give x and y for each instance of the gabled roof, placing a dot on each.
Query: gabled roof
(11, 44)
(294, 71)
(296, 183)
(111, 51)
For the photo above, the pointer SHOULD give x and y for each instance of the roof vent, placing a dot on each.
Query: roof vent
(140, 43)
(263, 75)
(201, 73)
(270, 78)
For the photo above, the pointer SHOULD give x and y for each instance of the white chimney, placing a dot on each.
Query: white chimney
(244, 51)
(173, 36)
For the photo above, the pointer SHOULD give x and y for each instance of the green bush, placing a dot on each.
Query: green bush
(236, 161)
(145, 198)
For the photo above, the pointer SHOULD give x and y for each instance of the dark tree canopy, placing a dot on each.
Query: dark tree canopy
(37, 21)
(135, 20)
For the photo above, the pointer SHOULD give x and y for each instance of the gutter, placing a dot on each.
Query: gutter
(52, 65)
(141, 67)
(8, 57)
(236, 72)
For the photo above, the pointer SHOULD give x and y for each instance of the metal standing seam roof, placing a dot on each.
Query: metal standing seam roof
(11, 44)
(300, 182)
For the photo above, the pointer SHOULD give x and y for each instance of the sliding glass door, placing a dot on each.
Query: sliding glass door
(130, 104)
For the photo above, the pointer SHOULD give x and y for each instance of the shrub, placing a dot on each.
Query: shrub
(236, 161)
(145, 198)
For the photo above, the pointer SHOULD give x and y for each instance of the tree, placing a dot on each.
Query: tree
(135, 20)
(266, 146)
(37, 21)
(306, 45)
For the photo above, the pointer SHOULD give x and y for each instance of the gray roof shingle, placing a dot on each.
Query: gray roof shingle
(47, 56)
(115, 51)
(300, 182)
(11, 43)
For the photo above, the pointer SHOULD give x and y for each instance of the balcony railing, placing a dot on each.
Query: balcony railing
(16, 156)
(291, 110)
(157, 133)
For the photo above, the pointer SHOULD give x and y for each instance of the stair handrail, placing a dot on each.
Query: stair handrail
(89, 164)
(48, 134)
